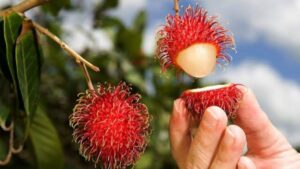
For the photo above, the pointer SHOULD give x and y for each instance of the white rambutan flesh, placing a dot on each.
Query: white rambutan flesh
(198, 60)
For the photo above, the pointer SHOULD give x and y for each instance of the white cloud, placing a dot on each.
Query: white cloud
(4, 3)
(277, 21)
(81, 38)
(127, 10)
(149, 41)
(79, 31)
(279, 97)
(79, 24)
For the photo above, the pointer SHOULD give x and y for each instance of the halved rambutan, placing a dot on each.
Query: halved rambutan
(194, 42)
(226, 97)
(111, 126)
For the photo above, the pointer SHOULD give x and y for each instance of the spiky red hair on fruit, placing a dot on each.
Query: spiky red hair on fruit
(111, 126)
(226, 97)
(193, 27)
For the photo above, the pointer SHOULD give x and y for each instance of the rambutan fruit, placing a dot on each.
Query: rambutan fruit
(226, 97)
(111, 126)
(194, 42)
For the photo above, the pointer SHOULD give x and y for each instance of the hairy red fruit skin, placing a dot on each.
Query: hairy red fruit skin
(195, 26)
(111, 126)
(227, 98)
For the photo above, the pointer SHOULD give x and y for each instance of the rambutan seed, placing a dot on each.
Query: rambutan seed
(111, 126)
(226, 97)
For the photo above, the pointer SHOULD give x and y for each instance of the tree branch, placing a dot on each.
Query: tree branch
(11, 149)
(86, 75)
(6, 128)
(176, 7)
(23, 6)
(64, 46)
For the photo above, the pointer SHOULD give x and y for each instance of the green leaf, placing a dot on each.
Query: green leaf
(12, 28)
(54, 6)
(109, 21)
(129, 41)
(108, 4)
(140, 21)
(131, 75)
(28, 70)
(145, 161)
(46, 143)
(2, 45)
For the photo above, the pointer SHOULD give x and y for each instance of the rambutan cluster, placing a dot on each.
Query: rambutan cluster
(193, 27)
(111, 126)
(226, 97)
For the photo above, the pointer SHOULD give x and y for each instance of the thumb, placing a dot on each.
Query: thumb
(180, 137)
(262, 137)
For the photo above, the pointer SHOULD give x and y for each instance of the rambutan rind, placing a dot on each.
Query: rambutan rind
(226, 97)
(194, 27)
(111, 126)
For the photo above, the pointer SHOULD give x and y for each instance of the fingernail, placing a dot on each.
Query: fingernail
(214, 115)
(178, 107)
(243, 88)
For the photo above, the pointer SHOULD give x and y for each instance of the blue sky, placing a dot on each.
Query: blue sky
(267, 43)
(280, 59)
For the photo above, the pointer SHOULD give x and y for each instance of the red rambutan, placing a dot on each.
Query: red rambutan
(193, 42)
(226, 97)
(111, 126)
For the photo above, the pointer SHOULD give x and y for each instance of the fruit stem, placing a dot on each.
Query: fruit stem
(23, 6)
(11, 149)
(176, 7)
(64, 46)
(86, 75)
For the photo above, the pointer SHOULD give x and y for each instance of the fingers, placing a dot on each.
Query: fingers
(230, 148)
(245, 163)
(180, 137)
(207, 138)
(260, 132)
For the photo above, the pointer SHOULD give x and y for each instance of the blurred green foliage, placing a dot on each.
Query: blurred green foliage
(48, 136)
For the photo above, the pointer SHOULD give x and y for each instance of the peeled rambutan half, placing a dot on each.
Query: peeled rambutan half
(111, 126)
(226, 97)
(193, 42)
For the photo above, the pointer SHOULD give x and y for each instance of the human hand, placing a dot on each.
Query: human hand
(216, 145)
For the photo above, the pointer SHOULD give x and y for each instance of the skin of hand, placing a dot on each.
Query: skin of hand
(218, 146)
